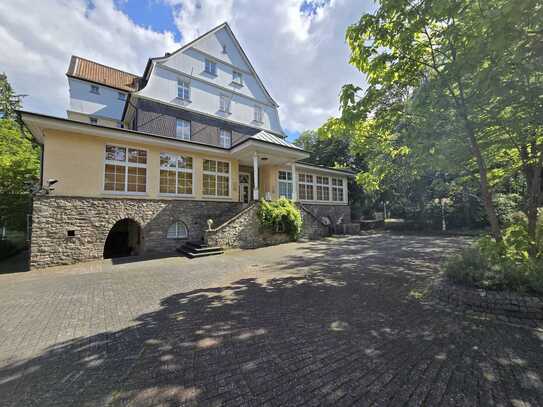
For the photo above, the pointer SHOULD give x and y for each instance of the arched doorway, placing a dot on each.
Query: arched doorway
(124, 239)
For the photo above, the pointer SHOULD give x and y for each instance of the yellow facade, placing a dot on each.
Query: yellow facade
(77, 162)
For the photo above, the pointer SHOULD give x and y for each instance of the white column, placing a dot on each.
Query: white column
(294, 182)
(255, 176)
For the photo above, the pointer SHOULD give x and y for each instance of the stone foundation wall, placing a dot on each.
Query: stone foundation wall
(332, 212)
(313, 228)
(92, 218)
(244, 231)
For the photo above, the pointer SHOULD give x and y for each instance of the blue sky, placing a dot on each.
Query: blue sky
(156, 14)
(296, 46)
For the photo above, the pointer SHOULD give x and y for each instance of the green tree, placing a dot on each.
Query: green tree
(19, 161)
(467, 66)
(9, 101)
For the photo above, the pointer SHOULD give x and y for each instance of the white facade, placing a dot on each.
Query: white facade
(106, 106)
(247, 99)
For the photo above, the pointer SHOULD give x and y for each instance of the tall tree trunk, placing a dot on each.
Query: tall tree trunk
(486, 192)
(533, 166)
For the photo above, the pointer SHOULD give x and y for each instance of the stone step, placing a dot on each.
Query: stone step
(192, 255)
(200, 247)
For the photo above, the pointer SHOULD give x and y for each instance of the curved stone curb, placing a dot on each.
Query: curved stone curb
(505, 305)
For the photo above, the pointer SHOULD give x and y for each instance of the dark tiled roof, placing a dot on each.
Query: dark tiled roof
(94, 72)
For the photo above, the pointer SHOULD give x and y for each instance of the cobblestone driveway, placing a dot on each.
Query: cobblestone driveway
(336, 322)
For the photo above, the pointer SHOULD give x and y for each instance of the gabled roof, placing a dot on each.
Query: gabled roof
(191, 43)
(91, 71)
(270, 138)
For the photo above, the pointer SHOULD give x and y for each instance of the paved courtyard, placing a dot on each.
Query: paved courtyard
(337, 322)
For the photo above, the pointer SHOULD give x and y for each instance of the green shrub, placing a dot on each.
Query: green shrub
(498, 266)
(507, 207)
(281, 216)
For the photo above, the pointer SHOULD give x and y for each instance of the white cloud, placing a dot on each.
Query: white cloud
(37, 39)
(300, 56)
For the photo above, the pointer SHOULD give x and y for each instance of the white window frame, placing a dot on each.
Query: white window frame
(288, 182)
(176, 234)
(337, 188)
(225, 103)
(258, 114)
(216, 173)
(212, 67)
(177, 170)
(95, 89)
(323, 186)
(239, 75)
(225, 138)
(306, 183)
(183, 136)
(126, 165)
(183, 89)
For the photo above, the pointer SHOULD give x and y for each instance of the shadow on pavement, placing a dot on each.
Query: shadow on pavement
(343, 331)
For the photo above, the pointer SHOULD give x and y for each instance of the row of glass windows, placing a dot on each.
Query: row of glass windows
(312, 187)
(225, 101)
(125, 170)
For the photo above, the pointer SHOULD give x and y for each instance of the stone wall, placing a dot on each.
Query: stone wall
(245, 231)
(313, 228)
(334, 213)
(92, 218)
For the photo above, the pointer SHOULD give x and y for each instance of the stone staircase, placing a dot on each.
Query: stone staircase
(196, 250)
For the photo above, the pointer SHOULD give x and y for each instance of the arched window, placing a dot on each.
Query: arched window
(177, 231)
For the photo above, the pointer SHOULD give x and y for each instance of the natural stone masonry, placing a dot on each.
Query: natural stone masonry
(92, 218)
(339, 216)
(245, 231)
(507, 306)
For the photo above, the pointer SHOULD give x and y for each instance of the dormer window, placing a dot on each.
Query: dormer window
(258, 114)
(121, 96)
(225, 138)
(95, 89)
(224, 104)
(237, 78)
(210, 67)
(183, 89)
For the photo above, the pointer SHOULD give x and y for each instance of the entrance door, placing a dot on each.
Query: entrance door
(244, 188)
(244, 193)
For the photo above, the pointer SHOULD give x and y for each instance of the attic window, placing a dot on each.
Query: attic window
(210, 67)
(237, 78)
(95, 89)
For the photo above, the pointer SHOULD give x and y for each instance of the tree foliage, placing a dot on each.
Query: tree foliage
(19, 162)
(454, 88)
(281, 216)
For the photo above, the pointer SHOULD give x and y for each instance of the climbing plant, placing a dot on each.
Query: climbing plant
(281, 216)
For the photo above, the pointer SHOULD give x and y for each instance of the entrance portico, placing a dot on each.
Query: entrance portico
(266, 154)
